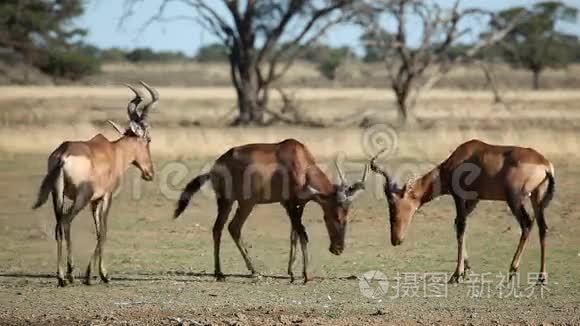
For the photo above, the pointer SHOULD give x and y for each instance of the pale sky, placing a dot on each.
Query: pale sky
(102, 16)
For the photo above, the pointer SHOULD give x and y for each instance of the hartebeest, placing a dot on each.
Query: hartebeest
(285, 173)
(89, 171)
(478, 171)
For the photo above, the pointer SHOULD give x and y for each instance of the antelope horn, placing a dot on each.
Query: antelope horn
(365, 173)
(340, 174)
(389, 187)
(116, 126)
(375, 168)
(307, 192)
(154, 98)
(356, 187)
(134, 103)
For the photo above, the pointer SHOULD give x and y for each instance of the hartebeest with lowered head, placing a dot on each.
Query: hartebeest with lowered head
(89, 171)
(283, 173)
(478, 171)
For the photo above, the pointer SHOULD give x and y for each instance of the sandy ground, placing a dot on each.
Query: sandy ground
(162, 268)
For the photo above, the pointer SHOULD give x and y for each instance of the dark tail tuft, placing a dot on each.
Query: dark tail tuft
(47, 185)
(550, 191)
(192, 187)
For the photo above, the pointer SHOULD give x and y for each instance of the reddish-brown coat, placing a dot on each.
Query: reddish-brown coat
(478, 171)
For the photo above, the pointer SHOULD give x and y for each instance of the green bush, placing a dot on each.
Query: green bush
(331, 59)
(148, 55)
(70, 64)
(113, 55)
(215, 52)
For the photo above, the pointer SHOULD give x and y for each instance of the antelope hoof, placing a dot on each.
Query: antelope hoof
(105, 278)
(256, 276)
(455, 277)
(513, 273)
(70, 277)
(292, 279)
(541, 279)
(306, 279)
(467, 268)
(61, 282)
(220, 277)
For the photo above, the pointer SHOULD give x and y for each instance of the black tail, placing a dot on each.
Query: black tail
(191, 188)
(550, 191)
(47, 185)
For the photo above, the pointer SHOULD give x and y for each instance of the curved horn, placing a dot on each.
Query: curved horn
(340, 174)
(365, 173)
(307, 192)
(375, 168)
(154, 98)
(389, 187)
(358, 186)
(116, 126)
(134, 103)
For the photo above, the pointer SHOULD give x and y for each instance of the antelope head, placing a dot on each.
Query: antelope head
(138, 130)
(336, 205)
(402, 203)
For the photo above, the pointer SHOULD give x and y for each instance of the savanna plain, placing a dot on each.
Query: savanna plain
(162, 269)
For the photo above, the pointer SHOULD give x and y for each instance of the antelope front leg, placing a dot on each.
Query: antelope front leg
(460, 221)
(469, 206)
(96, 208)
(101, 244)
(304, 246)
(298, 231)
(293, 243)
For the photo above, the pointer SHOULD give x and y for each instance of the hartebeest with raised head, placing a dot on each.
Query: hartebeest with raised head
(89, 171)
(285, 173)
(478, 171)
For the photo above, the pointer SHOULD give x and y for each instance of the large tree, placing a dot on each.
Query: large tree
(43, 33)
(32, 27)
(414, 68)
(535, 43)
(263, 37)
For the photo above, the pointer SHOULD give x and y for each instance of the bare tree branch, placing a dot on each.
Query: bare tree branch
(414, 70)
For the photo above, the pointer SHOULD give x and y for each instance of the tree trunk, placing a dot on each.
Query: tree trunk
(536, 79)
(244, 78)
(405, 111)
(250, 111)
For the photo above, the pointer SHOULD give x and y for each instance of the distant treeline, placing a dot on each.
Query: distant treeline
(41, 33)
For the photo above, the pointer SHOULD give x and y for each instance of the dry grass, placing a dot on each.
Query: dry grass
(118, 92)
(547, 120)
(434, 144)
(350, 75)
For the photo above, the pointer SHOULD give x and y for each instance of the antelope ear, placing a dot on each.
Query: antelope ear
(136, 128)
(354, 190)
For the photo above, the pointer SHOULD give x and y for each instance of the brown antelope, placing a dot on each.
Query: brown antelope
(89, 171)
(478, 171)
(283, 173)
